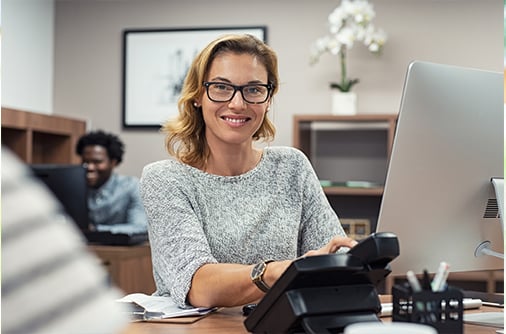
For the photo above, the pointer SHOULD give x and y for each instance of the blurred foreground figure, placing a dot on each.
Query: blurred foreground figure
(50, 283)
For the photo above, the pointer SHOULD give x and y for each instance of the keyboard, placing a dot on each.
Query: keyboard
(115, 239)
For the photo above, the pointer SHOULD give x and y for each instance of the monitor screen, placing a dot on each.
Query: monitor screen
(68, 184)
(438, 197)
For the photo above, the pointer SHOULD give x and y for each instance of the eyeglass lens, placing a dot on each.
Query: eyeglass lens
(223, 92)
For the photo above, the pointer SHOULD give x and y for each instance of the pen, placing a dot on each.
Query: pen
(413, 281)
(426, 280)
(439, 281)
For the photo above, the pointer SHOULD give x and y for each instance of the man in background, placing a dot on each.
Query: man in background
(113, 200)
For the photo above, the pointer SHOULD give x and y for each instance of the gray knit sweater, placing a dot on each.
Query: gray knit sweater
(275, 211)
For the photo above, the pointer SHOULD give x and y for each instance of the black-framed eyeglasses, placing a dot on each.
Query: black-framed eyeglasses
(224, 92)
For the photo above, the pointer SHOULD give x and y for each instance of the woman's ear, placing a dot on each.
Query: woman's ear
(268, 104)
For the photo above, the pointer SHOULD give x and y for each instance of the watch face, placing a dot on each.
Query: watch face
(257, 270)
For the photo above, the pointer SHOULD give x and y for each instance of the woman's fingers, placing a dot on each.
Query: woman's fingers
(333, 246)
(338, 242)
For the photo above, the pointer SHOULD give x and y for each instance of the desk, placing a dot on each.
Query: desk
(230, 320)
(129, 267)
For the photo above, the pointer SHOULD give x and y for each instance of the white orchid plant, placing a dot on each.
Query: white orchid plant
(349, 23)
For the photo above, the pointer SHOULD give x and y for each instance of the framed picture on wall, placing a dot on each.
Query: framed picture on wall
(155, 63)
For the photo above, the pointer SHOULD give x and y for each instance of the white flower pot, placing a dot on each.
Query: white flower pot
(344, 103)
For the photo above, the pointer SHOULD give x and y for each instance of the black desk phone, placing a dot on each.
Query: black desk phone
(325, 293)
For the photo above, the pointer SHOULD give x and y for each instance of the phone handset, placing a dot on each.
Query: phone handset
(377, 250)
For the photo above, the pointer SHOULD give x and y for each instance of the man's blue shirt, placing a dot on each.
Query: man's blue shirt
(116, 206)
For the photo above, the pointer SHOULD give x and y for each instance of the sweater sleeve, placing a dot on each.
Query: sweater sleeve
(178, 243)
(319, 220)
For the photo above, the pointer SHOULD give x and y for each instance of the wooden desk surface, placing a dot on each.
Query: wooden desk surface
(231, 320)
(225, 320)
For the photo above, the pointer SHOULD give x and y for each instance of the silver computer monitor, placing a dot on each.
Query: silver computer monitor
(438, 197)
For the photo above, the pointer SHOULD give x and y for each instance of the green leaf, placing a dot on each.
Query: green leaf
(345, 86)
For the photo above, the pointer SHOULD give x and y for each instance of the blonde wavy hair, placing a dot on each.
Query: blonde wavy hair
(185, 134)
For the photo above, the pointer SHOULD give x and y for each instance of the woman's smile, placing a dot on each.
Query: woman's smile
(236, 121)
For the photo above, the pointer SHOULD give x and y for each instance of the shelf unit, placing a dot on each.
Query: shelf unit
(40, 138)
(349, 148)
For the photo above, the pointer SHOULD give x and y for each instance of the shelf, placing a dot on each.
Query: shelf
(343, 126)
(40, 138)
(346, 148)
(353, 191)
(304, 125)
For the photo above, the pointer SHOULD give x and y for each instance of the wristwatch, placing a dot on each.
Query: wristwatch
(257, 275)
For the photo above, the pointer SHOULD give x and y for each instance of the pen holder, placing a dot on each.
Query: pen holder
(442, 310)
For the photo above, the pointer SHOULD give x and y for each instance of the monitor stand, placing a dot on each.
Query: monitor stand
(493, 319)
(485, 247)
(498, 183)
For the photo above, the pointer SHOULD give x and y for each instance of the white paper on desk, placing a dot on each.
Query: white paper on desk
(162, 307)
(494, 319)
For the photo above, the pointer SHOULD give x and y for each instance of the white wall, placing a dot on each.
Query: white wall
(27, 54)
(87, 54)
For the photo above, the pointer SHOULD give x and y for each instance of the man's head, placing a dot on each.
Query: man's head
(100, 152)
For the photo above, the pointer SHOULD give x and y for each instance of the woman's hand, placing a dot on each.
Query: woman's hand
(276, 269)
(333, 246)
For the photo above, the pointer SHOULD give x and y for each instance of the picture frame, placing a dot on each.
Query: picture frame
(356, 228)
(155, 63)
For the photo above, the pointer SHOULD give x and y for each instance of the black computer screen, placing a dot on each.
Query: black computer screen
(68, 184)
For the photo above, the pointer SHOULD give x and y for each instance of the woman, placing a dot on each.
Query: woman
(225, 218)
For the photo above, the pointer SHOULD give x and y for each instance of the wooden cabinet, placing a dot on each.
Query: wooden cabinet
(39, 138)
(350, 155)
(129, 267)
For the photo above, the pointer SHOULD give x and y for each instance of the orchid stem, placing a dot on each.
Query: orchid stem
(342, 54)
